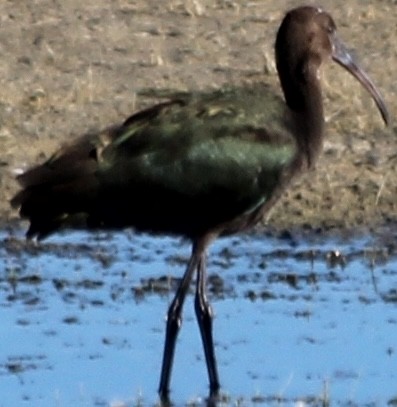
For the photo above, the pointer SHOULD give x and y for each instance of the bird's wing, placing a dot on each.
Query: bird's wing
(197, 142)
(180, 166)
(220, 154)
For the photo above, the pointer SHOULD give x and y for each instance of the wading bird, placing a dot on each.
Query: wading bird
(200, 165)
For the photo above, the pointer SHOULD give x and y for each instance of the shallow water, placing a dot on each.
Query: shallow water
(298, 321)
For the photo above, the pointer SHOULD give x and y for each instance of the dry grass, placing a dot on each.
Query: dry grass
(69, 67)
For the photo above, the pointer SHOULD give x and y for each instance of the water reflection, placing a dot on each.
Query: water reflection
(82, 320)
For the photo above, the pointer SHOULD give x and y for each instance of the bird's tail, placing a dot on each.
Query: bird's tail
(61, 190)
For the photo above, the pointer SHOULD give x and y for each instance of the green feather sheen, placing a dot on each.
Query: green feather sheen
(238, 140)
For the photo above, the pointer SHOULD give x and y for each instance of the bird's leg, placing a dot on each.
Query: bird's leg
(174, 322)
(204, 316)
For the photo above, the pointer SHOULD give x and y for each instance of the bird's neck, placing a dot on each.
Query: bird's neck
(303, 97)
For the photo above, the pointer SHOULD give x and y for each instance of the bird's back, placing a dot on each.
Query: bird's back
(196, 162)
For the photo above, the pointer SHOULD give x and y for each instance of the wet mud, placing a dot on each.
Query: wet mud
(298, 319)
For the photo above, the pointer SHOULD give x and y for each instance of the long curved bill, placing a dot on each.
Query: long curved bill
(341, 55)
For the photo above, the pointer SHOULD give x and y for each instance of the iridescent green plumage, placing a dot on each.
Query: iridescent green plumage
(183, 166)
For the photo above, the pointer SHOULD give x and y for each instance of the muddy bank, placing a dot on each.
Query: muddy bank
(71, 67)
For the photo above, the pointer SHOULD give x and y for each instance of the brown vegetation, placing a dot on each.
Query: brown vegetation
(69, 67)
